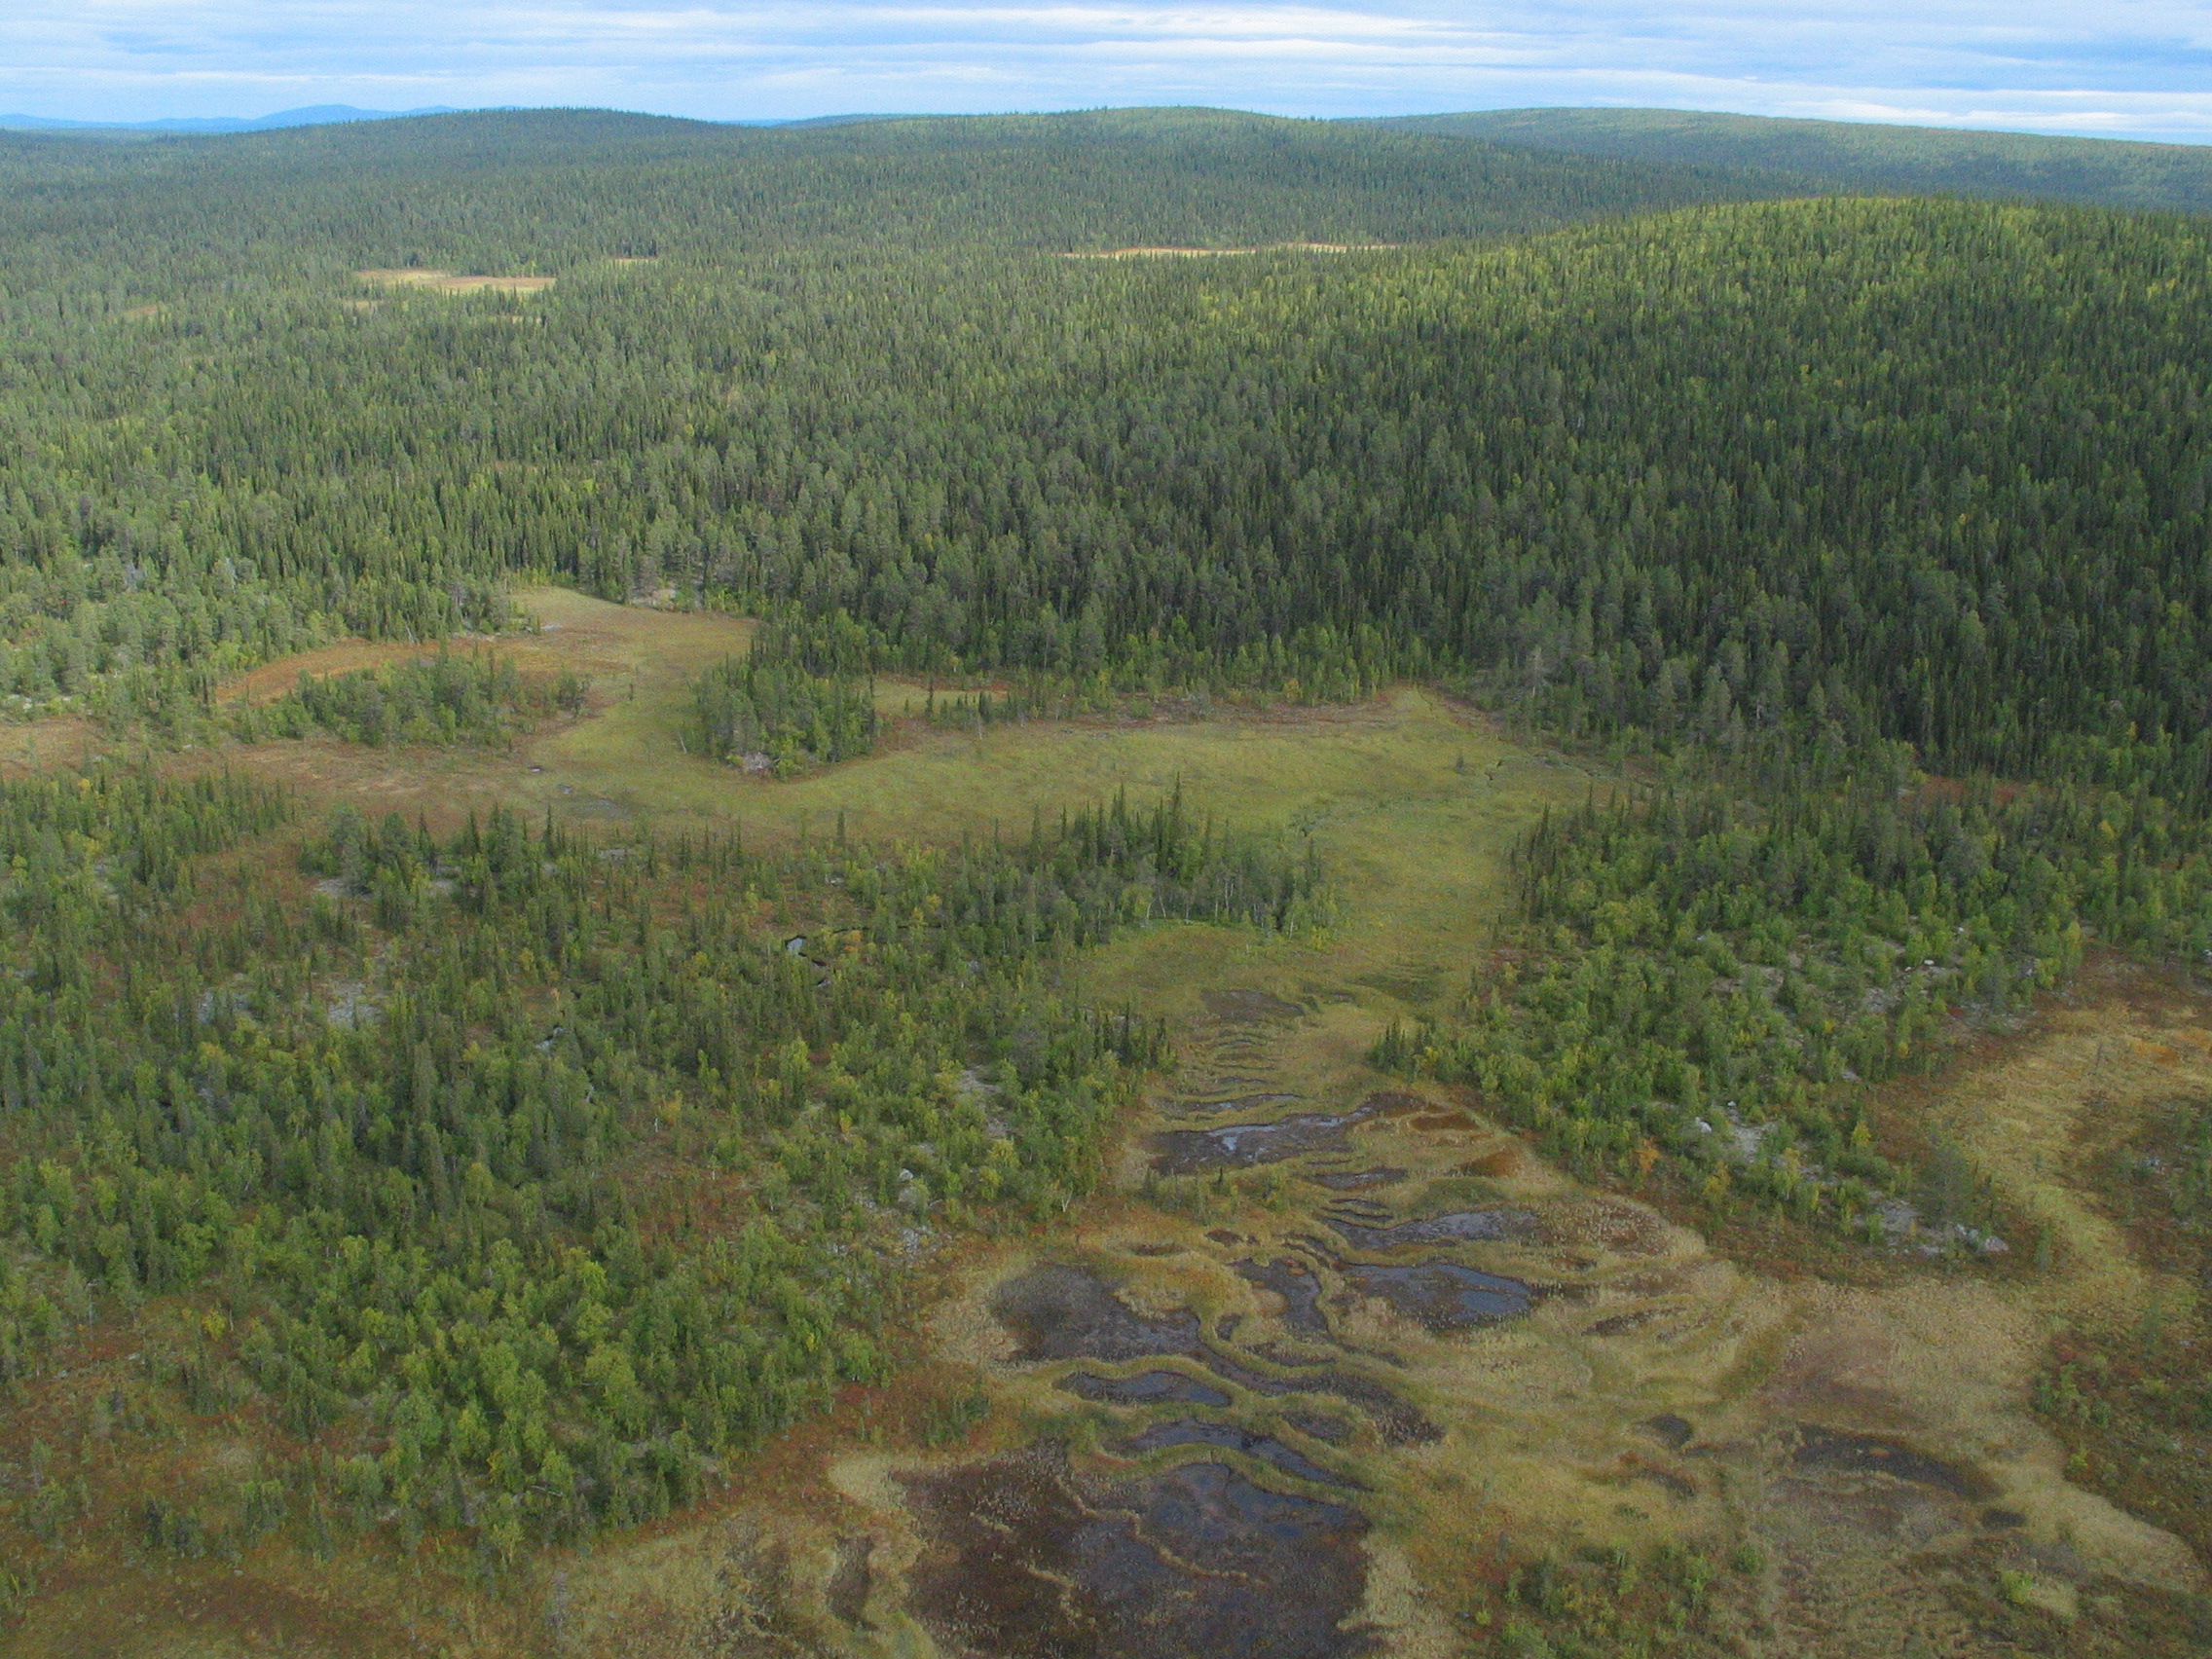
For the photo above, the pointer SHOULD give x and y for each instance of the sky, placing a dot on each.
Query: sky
(2133, 68)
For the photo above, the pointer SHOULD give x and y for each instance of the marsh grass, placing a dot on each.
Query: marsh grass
(1412, 805)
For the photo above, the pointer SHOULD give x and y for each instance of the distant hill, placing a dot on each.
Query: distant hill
(838, 120)
(1392, 178)
(1838, 155)
(312, 115)
(542, 190)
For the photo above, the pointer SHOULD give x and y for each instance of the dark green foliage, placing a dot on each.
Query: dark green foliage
(16, 1588)
(55, 1505)
(2186, 1174)
(1852, 157)
(256, 1509)
(447, 698)
(948, 1422)
(1673, 478)
(415, 1170)
(774, 714)
(538, 1177)
(1605, 1603)
(520, 190)
(31, 1322)
(174, 1527)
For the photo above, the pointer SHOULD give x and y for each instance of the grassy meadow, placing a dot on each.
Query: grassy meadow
(1413, 805)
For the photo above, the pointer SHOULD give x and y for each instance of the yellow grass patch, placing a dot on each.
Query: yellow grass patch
(1414, 804)
(2046, 1104)
(445, 283)
(1438, 773)
(1211, 252)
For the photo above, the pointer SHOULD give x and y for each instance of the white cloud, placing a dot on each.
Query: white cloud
(2140, 66)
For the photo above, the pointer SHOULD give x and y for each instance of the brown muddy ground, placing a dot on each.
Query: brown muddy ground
(1028, 1559)
(1179, 1375)
(1215, 1432)
(1335, 1362)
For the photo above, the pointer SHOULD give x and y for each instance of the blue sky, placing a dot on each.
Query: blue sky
(2138, 68)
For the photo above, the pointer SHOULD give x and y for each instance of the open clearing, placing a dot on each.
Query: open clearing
(445, 283)
(1322, 1331)
(271, 680)
(1215, 253)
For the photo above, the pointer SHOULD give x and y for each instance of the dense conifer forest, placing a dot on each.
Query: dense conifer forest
(1831, 156)
(530, 1176)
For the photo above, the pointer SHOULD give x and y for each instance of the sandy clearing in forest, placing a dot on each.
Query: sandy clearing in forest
(1214, 253)
(447, 283)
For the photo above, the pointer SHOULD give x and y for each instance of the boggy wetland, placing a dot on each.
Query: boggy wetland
(1334, 1363)
(755, 905)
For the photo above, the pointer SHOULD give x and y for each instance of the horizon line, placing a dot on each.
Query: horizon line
(341, 115)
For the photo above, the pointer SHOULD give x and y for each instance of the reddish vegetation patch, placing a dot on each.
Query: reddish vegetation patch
(78, 1613)
(1395, 1102)
(57, 740)
(1935, 789)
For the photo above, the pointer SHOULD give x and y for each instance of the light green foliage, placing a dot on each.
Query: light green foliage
(1703, 967)
(425, 1223)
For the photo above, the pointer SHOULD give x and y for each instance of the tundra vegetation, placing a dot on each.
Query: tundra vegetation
(1645, 657)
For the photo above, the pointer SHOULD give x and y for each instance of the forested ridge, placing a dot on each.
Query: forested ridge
(1927, 472)
(524, 1178)
(1831, 156)
(197, 383)
(544, 189)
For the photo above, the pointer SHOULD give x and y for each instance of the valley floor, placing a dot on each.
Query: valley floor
(1336, 1365)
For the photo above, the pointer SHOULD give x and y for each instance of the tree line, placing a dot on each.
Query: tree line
(1899, 470)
